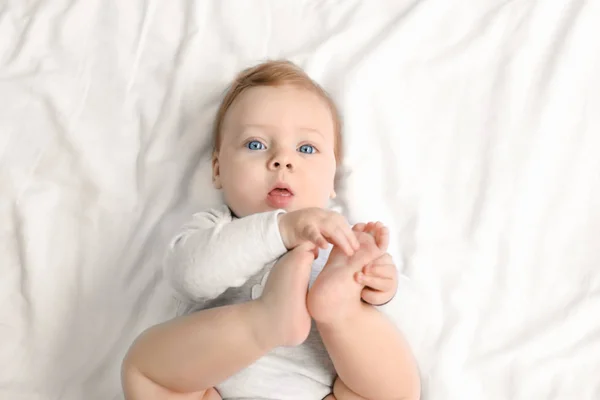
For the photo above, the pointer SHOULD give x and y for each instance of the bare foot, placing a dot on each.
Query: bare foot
(335, 292)
(284, 297)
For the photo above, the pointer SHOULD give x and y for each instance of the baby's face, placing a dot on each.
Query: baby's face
(277, 151)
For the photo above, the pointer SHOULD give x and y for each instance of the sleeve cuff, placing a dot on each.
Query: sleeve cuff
(273, 239)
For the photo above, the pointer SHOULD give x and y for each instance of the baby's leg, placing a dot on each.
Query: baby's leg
(142, 388)
(342, 392)
(367, 350)
(284, 296)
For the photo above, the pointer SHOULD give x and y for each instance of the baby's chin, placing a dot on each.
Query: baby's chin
(296, 207)
(242, 211)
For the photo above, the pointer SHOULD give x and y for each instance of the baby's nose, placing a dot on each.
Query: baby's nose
(281, 160)
(278, 164)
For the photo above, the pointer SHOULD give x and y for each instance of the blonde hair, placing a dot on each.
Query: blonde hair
(275, 73)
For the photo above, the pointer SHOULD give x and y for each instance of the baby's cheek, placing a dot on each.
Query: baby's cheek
(320, 181)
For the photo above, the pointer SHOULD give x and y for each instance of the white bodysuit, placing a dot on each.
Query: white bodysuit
(219, 259)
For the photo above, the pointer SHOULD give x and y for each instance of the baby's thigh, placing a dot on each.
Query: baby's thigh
(342, 392)
(209, 394)
(139, 387)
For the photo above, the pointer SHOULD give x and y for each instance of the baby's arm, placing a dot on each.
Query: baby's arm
(215, 252)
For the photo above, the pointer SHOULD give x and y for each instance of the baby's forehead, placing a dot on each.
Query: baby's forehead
(257, 98)
(269, 108)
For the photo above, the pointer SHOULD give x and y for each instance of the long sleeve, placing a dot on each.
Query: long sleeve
(215, 251)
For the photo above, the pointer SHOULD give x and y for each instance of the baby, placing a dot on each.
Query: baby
(254, 274)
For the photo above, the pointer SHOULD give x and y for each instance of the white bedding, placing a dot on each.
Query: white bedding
(471, 128)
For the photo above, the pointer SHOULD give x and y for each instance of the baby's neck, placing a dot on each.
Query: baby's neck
(232, 213)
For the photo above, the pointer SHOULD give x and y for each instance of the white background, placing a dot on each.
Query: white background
(471, 128)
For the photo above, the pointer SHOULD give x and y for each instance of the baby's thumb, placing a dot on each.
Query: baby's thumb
(310, 247)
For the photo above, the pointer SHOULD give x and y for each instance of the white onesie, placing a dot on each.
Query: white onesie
(219, 259)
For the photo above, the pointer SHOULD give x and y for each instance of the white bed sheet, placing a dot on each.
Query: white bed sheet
(471, 128)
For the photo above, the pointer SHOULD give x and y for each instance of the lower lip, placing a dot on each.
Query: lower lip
(279, 200)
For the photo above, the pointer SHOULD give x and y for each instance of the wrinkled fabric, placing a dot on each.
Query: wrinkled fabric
(471, 130)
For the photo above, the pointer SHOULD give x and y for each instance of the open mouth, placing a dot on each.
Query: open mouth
(281, 196)
(281, 192)
(281, 189)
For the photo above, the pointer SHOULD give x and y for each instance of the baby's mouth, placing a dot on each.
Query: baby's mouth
(280, 196)
(280, 192)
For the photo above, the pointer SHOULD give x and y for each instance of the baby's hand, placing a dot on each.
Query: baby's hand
(318, 226)
(380, 280)
(379, 277)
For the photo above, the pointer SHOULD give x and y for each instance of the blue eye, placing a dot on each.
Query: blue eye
(307, 149)
(255, 145)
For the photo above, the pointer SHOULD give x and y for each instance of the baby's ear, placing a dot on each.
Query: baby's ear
(339, 182)
(216, 177)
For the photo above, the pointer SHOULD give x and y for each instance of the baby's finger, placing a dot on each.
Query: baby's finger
(315, 251)
(387, 271)
(337, 237)
(342, 224)
(310, 247)
(360, 227)
(374, 297)
(351, 236)
(384, 259)
(375, 282)
(318, 239)
(382, 236)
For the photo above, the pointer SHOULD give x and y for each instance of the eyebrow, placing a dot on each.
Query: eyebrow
(271, 127)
